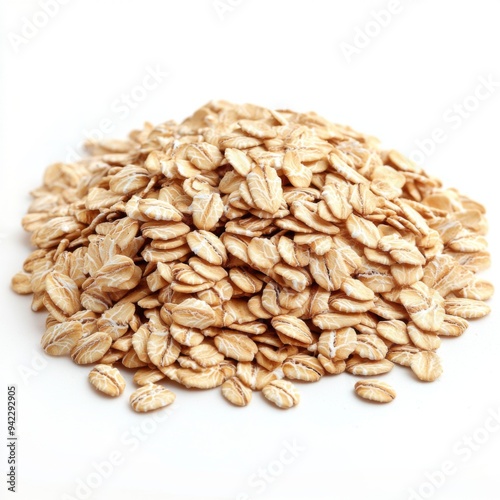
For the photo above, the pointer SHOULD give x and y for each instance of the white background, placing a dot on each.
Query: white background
(401, 86)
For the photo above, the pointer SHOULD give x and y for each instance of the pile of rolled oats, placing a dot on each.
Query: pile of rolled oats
(247, 246)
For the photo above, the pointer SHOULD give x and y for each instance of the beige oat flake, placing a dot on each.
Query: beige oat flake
(282, 393)
(107, 380)
(151, 397)
(374, 390)
(236, 392)
(426, 365)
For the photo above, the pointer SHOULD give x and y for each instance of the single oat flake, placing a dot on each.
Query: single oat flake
(246, 246)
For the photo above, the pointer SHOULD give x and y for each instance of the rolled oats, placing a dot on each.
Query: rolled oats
(206, 355)
(426, 341)
(151, 397)
(144, 376)
(193, 313)
(402, 354)
(282, 393)
(303, 367)
(332, 366)
(246, 245)
(466, 308)
(426, 365)
(424, 306)
(236, 346)
(236, 392)
(361, 366)
(393, 330)
(91, 349)
(107, 380)
(206, 378)
(374, 390)
(162, 348)
(370, 346)
(60, 338)
(337, 344)
(21, 283)
(264, 189)
(254, 376)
